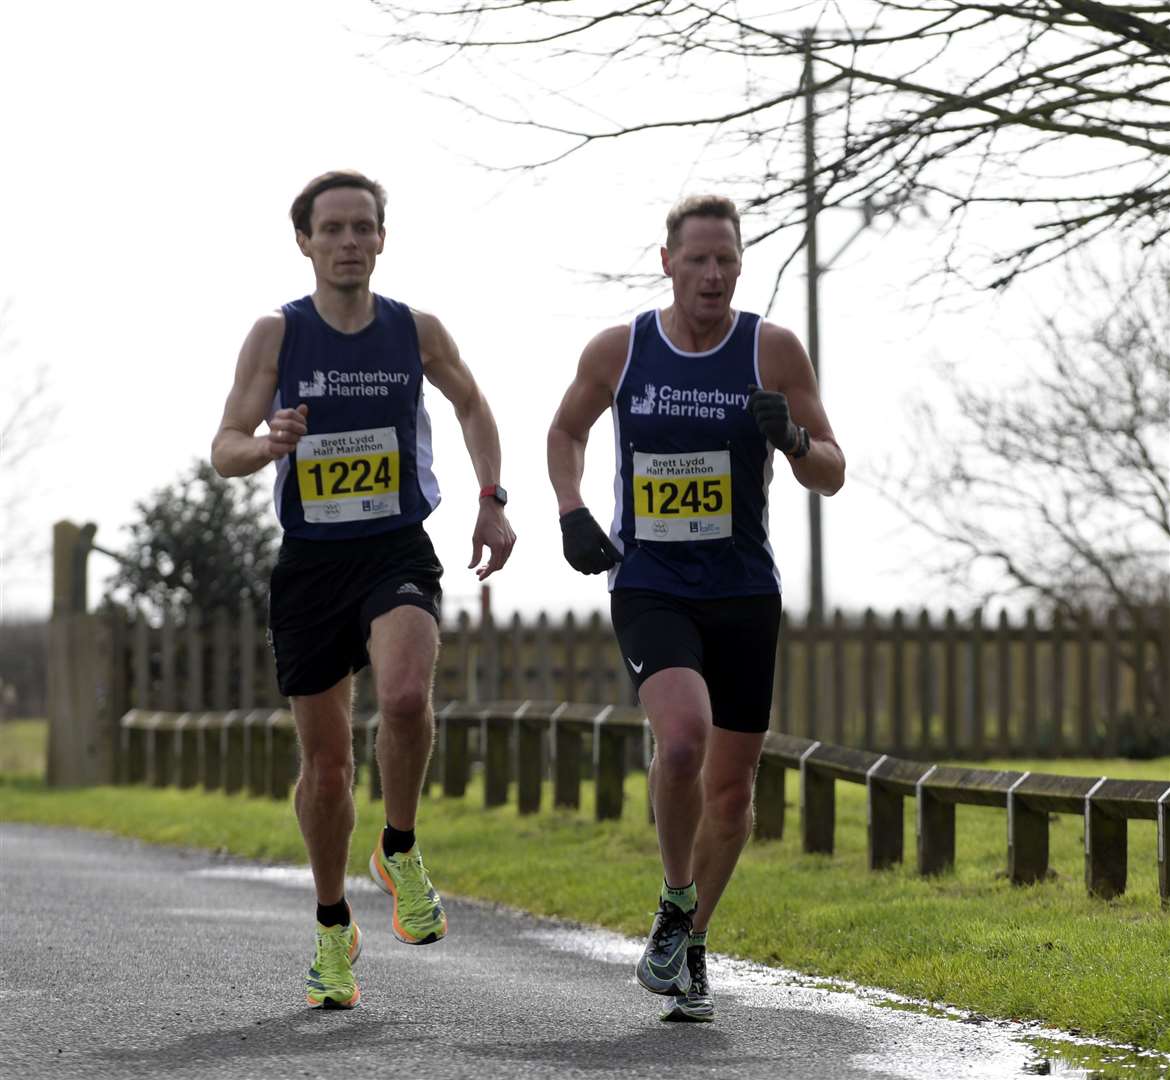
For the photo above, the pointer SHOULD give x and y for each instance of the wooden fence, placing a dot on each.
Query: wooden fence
(527, 742)
(916, 686)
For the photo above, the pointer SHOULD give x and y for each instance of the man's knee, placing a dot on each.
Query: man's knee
(404, 701)
(730, 804)
(680, 755)
(327, 776)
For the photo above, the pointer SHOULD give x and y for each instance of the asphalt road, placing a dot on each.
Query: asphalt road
(118, 959)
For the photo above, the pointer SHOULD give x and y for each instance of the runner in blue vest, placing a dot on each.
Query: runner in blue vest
(701, 395)
(338, 376)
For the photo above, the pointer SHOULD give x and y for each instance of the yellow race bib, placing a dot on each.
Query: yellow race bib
(348, 475)
(682, 496)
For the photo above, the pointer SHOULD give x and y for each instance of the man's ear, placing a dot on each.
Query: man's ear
(665, 260)
(303, 243)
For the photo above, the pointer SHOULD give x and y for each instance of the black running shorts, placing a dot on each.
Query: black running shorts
(730, 641)
(325, 593)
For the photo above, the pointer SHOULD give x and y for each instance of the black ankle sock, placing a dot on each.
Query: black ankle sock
(395, 841)
(333, 914)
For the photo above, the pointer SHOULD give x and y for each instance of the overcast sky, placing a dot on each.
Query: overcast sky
(151, 153)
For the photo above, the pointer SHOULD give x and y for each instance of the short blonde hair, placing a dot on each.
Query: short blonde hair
(710, 206)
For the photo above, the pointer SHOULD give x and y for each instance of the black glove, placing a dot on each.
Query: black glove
(586, 547)
(769, 409)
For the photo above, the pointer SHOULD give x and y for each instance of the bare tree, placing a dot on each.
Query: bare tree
(1053, 111)
(1057, 488)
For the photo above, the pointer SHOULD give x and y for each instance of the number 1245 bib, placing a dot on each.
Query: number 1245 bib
(682, 496)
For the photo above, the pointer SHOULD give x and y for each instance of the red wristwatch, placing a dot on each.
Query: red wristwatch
(494, 491)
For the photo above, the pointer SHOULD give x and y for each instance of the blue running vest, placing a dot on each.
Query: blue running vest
(691, 485)
(365, 465)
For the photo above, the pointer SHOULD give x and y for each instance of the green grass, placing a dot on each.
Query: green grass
(23, 743)
(968, 938)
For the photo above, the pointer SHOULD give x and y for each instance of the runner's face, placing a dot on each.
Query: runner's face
(346, 241)
(704, 267)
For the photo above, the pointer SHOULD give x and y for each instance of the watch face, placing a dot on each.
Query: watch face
(501, 495)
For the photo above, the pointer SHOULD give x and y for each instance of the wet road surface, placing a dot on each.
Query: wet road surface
(124, 960)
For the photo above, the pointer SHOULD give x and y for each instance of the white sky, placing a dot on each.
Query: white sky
(151, 151)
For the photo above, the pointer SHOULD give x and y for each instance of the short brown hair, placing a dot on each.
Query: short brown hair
(711, 206)
(301, 211)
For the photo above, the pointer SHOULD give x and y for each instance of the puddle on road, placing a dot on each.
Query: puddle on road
(947, 1036)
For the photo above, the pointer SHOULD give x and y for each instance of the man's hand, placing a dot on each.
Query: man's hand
(493, 532)
(769, 409)
(587, 549)
(285, 430)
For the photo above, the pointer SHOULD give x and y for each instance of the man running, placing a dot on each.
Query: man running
(700, 396)
(338, 377)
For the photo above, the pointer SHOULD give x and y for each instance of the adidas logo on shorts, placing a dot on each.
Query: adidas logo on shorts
(410, 589)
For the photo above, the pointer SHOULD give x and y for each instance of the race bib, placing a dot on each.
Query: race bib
(348, 475)
(682, 496)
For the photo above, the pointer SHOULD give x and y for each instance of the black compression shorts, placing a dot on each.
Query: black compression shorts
(730, 641)
(325, 593)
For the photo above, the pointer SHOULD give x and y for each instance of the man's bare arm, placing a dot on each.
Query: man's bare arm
(785, 367)
(236, 450)
(589, 395)
(446, 371)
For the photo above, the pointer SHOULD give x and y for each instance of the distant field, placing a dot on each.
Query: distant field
(968, 938)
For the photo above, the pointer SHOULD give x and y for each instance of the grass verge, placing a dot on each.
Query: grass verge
(968, 938)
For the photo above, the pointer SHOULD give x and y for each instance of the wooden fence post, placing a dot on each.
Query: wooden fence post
(936, 829)
(246, 697)
(1003, 684)
(817, 806)
(883, 820)
(233, 743)
(1086, 729)
(186, 751)
(1164, 849)
(950, 708)
(193, 635)
(1106, 850)
(925, 680)
(610, 771)
(1027, 831)
(1111, 683)
(530, 743)
(1031, 743)
(1055, 730)
(455, 763)
(566, 762)
(897, 685)
(977, 735)
(840, 680)
(496, 758)
(868, 679)
(256, 751)
(769, 799)
(209, 740)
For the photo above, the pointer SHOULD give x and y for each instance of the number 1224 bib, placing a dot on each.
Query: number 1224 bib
(348, 475)
(682, 496)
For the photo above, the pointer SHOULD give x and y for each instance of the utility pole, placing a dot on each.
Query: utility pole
(816, 591)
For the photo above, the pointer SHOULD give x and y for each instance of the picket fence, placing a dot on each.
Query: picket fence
(902, 685)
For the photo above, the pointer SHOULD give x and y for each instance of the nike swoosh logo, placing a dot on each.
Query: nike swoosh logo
(637, 667)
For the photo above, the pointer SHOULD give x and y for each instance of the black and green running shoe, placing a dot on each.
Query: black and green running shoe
(663, 966)
(697, 1005)
(330, 983)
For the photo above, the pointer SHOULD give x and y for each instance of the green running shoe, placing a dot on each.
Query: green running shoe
(417, 917)
(663, 966)
(330, 983)
(697, 1005)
